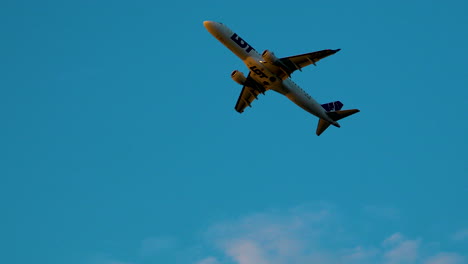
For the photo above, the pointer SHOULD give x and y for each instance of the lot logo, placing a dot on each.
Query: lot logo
(333, 106)
(241, 43)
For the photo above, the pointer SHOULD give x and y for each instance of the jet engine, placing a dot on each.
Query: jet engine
(269, 57)
(238, 77)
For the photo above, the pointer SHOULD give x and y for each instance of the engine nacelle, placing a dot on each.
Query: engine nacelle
(238, 77)
(269, 57)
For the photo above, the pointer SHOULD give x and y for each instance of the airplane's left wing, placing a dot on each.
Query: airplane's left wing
(247, 96)
(300, 61)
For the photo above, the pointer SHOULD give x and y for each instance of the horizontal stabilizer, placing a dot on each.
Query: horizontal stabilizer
(322, 126)
(335, 116)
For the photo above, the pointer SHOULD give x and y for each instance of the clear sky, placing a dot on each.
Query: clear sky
(119, 143)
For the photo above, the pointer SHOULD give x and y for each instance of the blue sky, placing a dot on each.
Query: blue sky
(120, 144)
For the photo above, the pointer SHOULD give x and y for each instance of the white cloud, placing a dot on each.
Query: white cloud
(446, 258)
(208, 260)
(359, 254)
(246, 252)
(398, 249)
(405, 251)
(393, 240)
(313, 235)
(461, 235)
(274, 237)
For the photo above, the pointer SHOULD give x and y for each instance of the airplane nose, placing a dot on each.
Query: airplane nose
(212, 27)
(207, 24)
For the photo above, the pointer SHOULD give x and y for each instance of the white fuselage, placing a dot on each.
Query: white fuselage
(265, 73)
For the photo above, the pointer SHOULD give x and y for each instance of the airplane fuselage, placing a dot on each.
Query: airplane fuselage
(264, 73)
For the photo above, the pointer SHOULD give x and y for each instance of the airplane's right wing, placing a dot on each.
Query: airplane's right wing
(247, 96)
(300, 61)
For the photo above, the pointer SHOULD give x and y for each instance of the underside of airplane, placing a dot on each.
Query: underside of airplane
(267, 72)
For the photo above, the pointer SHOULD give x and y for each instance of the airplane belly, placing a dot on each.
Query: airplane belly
(267, 72)
(304, 100)
(263, 76)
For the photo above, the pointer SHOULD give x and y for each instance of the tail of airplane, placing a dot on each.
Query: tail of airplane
(335, 113)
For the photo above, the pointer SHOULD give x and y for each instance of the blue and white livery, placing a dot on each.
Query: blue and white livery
(267, 72)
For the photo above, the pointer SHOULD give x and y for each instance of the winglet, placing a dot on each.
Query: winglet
(335, 51)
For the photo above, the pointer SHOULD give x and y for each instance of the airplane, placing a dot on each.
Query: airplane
(267, 72)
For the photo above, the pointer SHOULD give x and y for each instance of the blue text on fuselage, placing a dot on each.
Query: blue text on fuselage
(241, 43)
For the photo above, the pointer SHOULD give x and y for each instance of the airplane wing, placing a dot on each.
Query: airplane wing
(247, 96)
(300, 61)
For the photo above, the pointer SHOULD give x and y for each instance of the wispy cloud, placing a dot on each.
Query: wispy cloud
(246, 252)
(402, 251)
(313, 235)
(393, 240)
(446, 258)
(359, 254)
(154, 245)
(461, 234)
(305, 234)
(208, 260)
